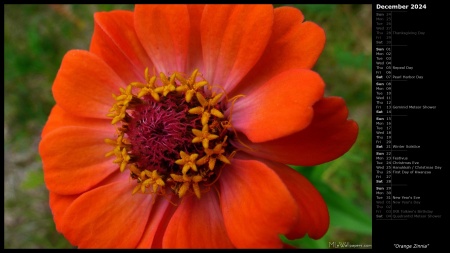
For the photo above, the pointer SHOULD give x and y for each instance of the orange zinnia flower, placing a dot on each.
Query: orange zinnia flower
(174, 129)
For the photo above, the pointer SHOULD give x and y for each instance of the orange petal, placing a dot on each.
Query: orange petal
(233, 39)
(329, 136)
(303, 42)
(59, 118)
(197, 223)
(115, 41)
(195, 60)
(312, 209)
(108, 216)
(280, 107)
(157, 224)
(84, 84)
(164, 32)
(293, 44)
(256, 205)
(74, 158)
(59, 205)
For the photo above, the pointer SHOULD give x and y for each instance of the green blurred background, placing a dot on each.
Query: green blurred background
(37, 36)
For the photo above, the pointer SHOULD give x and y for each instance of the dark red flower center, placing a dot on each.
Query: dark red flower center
(161, 130)
(172, 134)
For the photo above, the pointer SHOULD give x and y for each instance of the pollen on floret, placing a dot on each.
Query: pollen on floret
(172, 135)
(203, 136)
(187, 161)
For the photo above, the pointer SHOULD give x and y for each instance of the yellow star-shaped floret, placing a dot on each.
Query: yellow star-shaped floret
(203, 136)
(212, 155)
(187, 161)
(187, 182)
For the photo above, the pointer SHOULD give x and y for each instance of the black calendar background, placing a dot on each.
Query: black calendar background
(422, 127)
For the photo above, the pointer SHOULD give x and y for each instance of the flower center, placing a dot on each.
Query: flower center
(172, 134)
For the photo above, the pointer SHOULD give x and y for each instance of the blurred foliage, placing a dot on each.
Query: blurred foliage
(37, 36)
